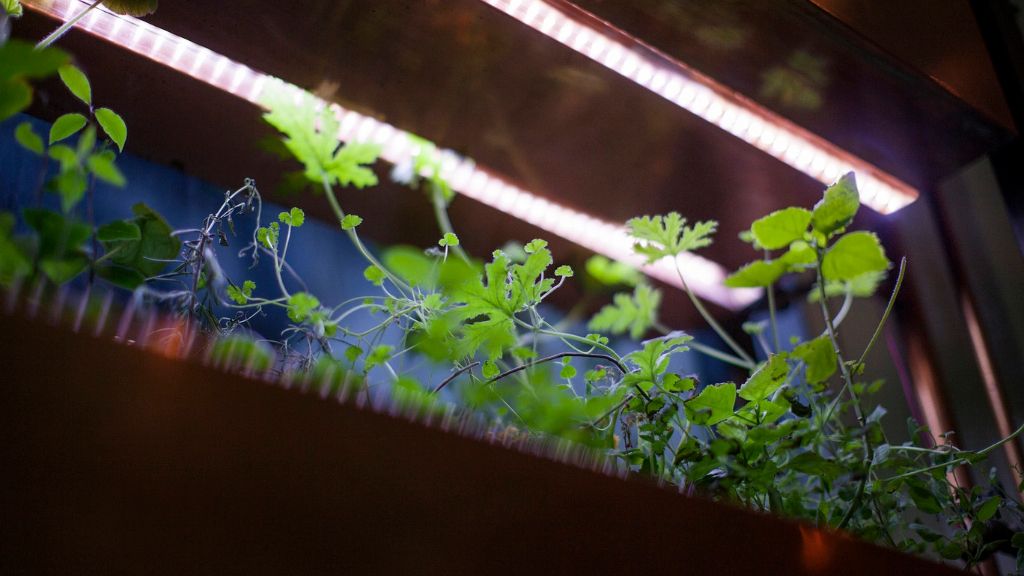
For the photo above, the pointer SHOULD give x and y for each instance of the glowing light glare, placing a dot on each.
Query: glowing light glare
(703, 276)
(703, 97)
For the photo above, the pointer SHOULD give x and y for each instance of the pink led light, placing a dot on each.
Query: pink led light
(703, 97)
(465, 177)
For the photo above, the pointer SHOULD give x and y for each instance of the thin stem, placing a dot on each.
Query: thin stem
(709, 351)
(354, 237)
(848, 385)
(455, 375)
(56, 34)
(885, 315)
(771, 313)
(711, 320)
(443, 222)
(556, 357)
(958, 461)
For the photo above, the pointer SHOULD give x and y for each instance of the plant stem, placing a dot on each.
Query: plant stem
(709, 351)
(958, 461)
(556, 357)
(711, 320)
(444, 223)
(885, 315)
(455, 375)
(848, 385)
(354, 237)
(771, 313)
(56, 34)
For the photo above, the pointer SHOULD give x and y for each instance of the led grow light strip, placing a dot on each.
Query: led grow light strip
(703, 276)
(707, 99)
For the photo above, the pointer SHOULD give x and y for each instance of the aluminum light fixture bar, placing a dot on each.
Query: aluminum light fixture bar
(703, 276)
(702, 96)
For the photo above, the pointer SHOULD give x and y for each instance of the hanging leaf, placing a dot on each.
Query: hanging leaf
(66, 126)
(113, 125)
(77, 82)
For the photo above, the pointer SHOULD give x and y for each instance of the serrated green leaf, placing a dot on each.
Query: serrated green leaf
(374, 275)
(301, 306)
(450, 240)
(765, 380)
(113, 125)
(652, 360)
(77, 82)
(837, 208)
(567, 372)
(350, 222)
(853, 255)
(311, 134)
(564, 271)
(668, 235)
(713, 405)
(635, 313)
(241, 295)
(781, 228)
(28, 138)
(66, 126)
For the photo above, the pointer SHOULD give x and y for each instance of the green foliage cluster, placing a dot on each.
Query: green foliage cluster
(792, 434)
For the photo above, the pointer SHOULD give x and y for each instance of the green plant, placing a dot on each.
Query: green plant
(795, 435)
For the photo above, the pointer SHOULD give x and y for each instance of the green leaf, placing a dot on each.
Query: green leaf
(301, 306)
(489, 370)
(14, 263)
(71, 186)
(759, 273)
(113, 125)
(311, 134)
(564, 271)
(66, 126)
(15, 96)
(119, 230)
(713, 405)
(28, 138)
(135, 8)
(378, 356)
(863, 286)
(766, 379)
(294, 218)
(241, 295)
(636, 313)
(102, 165)
(923, 497)
(148, 254)
(612, 272)
(987, 510)
(268, 235)
(62, 270)
(668, 235)
(77, 83)
(450, 240)
(837, 208)
(815, 464)
(59, 236)
(853, 255)
(653, 359)
(820, 357)
(374, 274)
(779, 229)
(350, 222)
(676, 383)
(567, 372)
(19, 59)
(11, 7)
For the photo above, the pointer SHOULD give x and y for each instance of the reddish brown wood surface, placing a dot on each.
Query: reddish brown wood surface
(120, 461)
